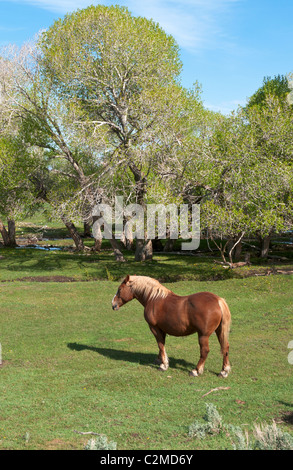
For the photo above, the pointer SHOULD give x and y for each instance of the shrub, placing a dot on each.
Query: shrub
(270, 437)
(100, 443)
(265, 437)
(212, 425)
(241, 441)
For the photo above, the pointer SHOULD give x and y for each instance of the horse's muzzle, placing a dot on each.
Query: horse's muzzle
(115, 307)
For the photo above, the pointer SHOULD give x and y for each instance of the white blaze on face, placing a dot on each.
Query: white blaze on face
(114, 297)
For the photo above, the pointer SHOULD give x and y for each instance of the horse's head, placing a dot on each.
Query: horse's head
(123, 295)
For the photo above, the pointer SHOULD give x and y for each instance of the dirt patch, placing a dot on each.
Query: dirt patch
(45, 279)
(4, 364)
(123, 339)
(60, 444)
(268, 271)
(288, 417)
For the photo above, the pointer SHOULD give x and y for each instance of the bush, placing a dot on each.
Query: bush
(212, 425)
(100, 443)
(270, 437)
(266, 437)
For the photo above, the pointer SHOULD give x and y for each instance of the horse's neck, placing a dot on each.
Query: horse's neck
(141, 297)
(144, 295)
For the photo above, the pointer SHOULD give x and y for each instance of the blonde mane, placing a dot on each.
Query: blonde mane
(148, 288)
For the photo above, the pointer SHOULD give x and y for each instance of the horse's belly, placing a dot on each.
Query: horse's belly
(177, 328)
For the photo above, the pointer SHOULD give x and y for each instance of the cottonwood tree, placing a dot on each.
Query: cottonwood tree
(29, 101)
(252, 178)
(121, 73)
(270, 116)
(16, 189)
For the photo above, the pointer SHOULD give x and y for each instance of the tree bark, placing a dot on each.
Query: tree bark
(74, 234)
(87, 230)
(8, 235)
(116, 249)
(144, 250)
(169, 245)
(264, 246)
(235, 247)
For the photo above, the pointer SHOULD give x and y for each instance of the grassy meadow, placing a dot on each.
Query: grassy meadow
(71, 365)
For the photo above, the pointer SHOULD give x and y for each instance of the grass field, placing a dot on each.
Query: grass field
(72, 364)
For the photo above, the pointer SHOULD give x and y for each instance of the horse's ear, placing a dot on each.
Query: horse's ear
(126, 279)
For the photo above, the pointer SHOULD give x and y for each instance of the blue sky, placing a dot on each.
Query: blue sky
(226, 45)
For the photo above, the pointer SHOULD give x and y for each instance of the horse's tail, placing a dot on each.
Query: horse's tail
(224, 327)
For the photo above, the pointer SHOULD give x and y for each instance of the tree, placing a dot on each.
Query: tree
(30, 104)
(252, 180)
(270, 114)
(277, 87)
(16, 190)
(121, 73)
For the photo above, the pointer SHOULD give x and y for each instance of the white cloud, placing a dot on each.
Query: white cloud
(58, 6)
(195, 24)
(226, 107)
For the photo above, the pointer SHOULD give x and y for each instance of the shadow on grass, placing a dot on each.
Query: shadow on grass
(132, 357)
(164, 267)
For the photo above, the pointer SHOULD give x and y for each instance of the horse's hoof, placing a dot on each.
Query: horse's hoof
(193, 373)
(223, 374)
(163, 368)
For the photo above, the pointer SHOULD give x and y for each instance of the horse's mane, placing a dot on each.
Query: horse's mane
(148, 287)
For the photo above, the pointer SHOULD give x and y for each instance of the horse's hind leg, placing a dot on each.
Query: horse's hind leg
(226, 368)
(204, 350)
(160, 336)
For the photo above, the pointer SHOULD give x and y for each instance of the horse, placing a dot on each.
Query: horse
(168, 313)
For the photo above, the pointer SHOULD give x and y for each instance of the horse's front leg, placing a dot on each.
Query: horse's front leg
(204, 350)
(160, 336)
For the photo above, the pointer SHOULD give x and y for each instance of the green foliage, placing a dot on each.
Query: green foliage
(277, 87)
(17, 167)
(99, 97)
(114, 74)
(251, 183)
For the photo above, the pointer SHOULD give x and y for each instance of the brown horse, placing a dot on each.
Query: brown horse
(168, 313)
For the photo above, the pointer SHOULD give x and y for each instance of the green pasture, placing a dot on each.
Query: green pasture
(72, 364)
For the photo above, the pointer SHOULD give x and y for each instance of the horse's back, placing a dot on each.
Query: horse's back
(184, 315)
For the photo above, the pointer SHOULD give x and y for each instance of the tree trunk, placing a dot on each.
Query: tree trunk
(128, 239)
(148, 249)
(4, 234)
(157, 244)
(144, 250)
(117, 252)
(235, 248)
(98, 237)
(87, 230)
(11, 232)
(97, 245)
(264, 246)
(8, 235)
(169, 245)
(74, 234)
(238, 251)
